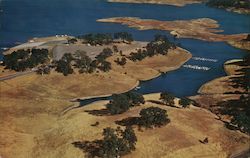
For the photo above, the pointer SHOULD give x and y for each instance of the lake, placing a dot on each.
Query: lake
(21, 20)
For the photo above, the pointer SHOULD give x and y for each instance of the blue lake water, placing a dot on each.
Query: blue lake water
(21, 20)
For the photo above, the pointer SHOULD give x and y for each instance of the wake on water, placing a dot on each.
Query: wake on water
(196, 67)
(204, 59)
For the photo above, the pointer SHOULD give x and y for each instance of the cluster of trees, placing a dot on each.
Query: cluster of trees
(125, 36)
(246, 59)
(43, 69)
(153, 117)
(160, 45)
(168, 99)
(246, 74)
(21, 60)
(72, 41)
(115, 48)
(239, 110)
(83, 62)
(121, 61)
(64, 64)
(97, 39)
(115, 143)
(149, 118)
(101, 62)
(242, 120)
(243, 79)
(229, 3)
(248, 38)
(185, 102)
(121, 103)
(106, 38)
(107, 52)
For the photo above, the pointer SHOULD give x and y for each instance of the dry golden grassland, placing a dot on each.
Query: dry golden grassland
(37, 128)
(31, 107)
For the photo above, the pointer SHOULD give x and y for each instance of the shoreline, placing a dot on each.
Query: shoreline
(67, 121)
(51, 95)
(140, 71)
(230, 71)
(238, 10)
(160, 72)
(235, 10)
(102, 96)
(244, 45)
(177, 3)
(205, 29)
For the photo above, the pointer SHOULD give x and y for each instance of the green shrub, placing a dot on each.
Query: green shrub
(185, 102)
(121, 103)
(167, 98)
(153, 117)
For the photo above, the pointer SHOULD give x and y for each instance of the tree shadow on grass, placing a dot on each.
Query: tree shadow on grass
(161, 103)
(130, 121)
(101, 112)
(91, 148)
(241, 80)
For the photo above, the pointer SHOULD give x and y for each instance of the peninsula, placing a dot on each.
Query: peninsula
(203, 29)
(38, 100)
(228, 96)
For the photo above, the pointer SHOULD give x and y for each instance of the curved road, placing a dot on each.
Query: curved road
(18, 74)
(243, 154)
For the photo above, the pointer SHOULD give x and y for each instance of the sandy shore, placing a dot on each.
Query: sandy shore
(230, 68)
(220, 89)
(223, 85)
(202, 29)
(147, 69)
(240, 44)
(178, 3)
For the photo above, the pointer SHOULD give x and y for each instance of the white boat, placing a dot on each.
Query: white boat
(4, 48)
(136, 88)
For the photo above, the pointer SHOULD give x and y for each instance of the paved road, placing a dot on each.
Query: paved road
(244, 154)
(18, 74)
